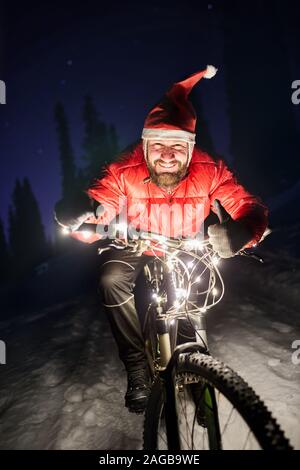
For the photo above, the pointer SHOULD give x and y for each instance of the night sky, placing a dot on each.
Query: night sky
(125, 54)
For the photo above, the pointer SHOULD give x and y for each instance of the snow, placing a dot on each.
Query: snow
(254, 329)
(63, 385)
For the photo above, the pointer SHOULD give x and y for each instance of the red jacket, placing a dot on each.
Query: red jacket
(125, 188)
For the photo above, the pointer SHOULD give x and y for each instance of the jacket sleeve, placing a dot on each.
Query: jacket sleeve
(109, 192)
(238, 202)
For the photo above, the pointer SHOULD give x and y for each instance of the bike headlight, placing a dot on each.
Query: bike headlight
(65, 230)
(86, 234)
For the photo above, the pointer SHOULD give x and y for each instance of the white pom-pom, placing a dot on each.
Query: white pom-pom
(210, 71)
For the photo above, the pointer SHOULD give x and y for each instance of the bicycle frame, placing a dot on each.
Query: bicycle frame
(176, 369)
(166, 327)
(168, 358)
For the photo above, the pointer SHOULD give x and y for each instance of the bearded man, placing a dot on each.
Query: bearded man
(168, 186)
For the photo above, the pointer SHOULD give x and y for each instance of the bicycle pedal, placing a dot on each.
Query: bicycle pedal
(201, 419)
(138, 408)
(137, 412)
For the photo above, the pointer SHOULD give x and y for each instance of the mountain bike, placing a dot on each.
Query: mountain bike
(196, 401)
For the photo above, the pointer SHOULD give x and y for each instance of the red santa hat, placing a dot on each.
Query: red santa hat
(174, 117)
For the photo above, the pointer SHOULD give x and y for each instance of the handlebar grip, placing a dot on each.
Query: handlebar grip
(91, 227)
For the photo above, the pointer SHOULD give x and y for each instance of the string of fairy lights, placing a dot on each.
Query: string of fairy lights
(195, 275)
(196, 279)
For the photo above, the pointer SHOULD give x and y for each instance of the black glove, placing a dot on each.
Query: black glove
(73, 212)
(229, 236)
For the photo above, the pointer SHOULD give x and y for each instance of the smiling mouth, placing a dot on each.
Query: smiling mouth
(167, 165)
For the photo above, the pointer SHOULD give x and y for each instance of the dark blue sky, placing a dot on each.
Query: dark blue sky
(125, 54)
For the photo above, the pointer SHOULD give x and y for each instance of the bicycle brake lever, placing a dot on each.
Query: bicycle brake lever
(118, 244)
(101, 250)
(251, 255)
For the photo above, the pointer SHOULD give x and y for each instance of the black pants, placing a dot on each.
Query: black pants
(118, 273)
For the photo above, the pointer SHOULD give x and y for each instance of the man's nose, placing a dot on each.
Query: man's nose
(167, 154)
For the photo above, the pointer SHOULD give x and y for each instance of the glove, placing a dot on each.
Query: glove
(229, 236)
(73, 213)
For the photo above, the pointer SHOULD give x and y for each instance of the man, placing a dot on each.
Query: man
(168, 186)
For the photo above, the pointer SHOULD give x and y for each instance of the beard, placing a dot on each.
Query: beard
(166, 179)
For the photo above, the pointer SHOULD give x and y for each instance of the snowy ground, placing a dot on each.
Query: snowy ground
(63, 385)
(254, 329)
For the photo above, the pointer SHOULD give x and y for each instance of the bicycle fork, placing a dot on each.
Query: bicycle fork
(164, 339)
(168, 360)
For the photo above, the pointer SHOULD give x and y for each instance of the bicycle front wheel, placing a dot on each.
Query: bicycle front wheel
(216, 409)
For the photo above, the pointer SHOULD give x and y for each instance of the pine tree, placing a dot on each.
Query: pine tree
(38, 240)
(264, 139)
(68, 168)
(114, 142)
(203, 137)
(95, 143)
(26, 232)
(100, 143)
(4, 256)
(16, 223)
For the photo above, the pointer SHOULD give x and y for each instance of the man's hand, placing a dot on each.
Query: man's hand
(72, 214)
(229, 236)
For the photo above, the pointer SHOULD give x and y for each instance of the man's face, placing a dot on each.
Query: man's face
(167, 161)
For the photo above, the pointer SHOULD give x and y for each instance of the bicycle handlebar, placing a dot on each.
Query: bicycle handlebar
(154, 242)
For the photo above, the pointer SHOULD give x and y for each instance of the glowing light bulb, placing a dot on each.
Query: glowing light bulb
(215, 260)
(65, 231)
(198, 279)
(193, 245)
(190, 264)
(200, 245)
(170, 263)
(203, 310)
(86, 234)
(181, 293)
(160, 238)
(215, 291)
(156, 297)
(122, 227)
